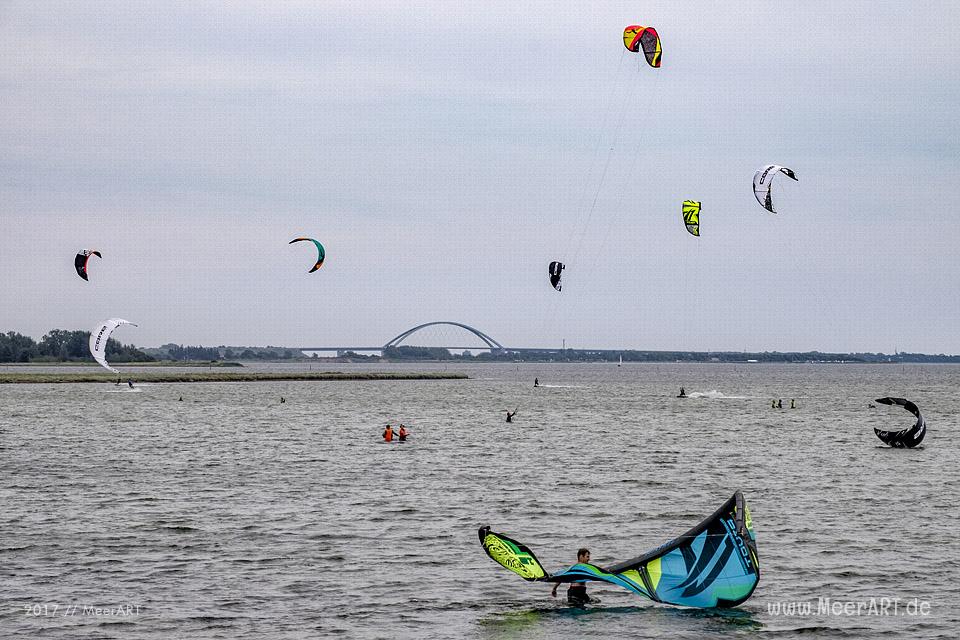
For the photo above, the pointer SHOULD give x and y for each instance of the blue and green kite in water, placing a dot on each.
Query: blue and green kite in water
(715, 564)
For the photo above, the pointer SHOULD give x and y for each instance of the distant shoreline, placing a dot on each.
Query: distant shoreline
(219, 376)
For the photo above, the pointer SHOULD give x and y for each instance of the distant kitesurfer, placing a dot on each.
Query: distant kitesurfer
(683, 393)
(780, 403)
(119, 381)
(510, 415)
(577, 591)
(388, 434)
(130, 383)
(181, 399)
(536, 382)
(282, 399)
(793, 404)
(402, 434)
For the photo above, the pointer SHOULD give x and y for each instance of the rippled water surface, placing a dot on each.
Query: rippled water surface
(232, 515)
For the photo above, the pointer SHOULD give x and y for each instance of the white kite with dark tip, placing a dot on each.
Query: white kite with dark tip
(763, 184)
(98, 340)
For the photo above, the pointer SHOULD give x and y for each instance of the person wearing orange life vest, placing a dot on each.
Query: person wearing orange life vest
(388, 434)
(402, 434)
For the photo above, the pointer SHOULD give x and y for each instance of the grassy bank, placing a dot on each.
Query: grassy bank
(152, 363)
(219, 376)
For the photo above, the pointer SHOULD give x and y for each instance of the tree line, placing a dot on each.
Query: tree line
(60, 345)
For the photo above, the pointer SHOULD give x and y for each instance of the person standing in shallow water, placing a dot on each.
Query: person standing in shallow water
(510, 415)
(577, 591)
(388, 434)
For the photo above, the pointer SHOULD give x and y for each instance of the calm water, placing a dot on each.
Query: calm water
(231, 515)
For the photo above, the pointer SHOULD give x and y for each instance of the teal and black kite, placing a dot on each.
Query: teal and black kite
(715, 564)
(321, 254)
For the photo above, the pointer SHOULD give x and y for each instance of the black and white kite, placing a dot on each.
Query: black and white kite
(905, 438)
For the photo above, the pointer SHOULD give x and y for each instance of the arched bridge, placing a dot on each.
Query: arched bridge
(492, 344)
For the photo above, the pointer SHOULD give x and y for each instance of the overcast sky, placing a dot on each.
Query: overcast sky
(445, 153)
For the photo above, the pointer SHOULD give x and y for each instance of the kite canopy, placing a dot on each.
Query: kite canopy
(554, 270)
(99, 337)
(636, 38)
(763, 183)
(691, 216)
(80, 262)
(512, 555)
(321, 253)
(905, 438)
(715, 564)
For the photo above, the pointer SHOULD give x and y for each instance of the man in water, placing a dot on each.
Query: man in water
(536, 382)
(130, 383)
(510, 415)
(780, 403)
(402, 434)
(388, 434)
(683, 393)
(793, 404)
(577, 591)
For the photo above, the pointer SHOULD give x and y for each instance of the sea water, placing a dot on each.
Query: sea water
(231, 515)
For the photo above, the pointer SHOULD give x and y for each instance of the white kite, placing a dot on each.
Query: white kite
(763, 183)
(99, 337)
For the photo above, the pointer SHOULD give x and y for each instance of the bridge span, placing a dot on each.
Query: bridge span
(396, 341)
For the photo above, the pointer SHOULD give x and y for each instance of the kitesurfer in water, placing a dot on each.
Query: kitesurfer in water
(683, 393)
(536, 382)
(388, 434)
(577, 591)
(510, 415)
(130, 383)
(402, 434)
(780, 403)
(793, 404)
